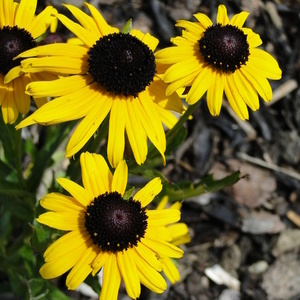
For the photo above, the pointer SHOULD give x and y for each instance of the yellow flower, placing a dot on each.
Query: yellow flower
(106, 231)
(219, 58)
(111, 73)
(19, 29)
(180, 235)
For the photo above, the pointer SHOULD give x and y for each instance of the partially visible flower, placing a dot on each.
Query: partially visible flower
(19, 30)
(219, 58)
(180, 236)
(111, 73)
(104, 230)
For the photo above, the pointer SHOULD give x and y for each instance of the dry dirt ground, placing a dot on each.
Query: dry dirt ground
(246, 238)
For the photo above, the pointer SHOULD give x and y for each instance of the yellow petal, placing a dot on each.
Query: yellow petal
(62, 264)
(181, 69)
(246, 90)
(8, 15)
(25, 13)
(136, 134)
(146, 194)
(183, 82)
(170, 270)
(147, 38)
(266, 64)
(238, 20)
(167, 117)
(88, 126)
(87, 37)
(111, 279)
(253, 39)
(128, 270)
(149, 256)
(149, 276)
(56, 49)
(235, 100)
(62, 220)
(60, 202)
(162, 248)
(22, 100)
(81, 269)
(204, 20)
(201, 84)
(103, 27)
(66, 108)
(151, 122)
(78, 192)
(59, 87)
(96, 176)
(13, 74)
(119, 181)
(100, 261)
(75, 240)
(215, 94)
(163, 217)
(155, 232)
(178, 230)
(9, 107)
(260, 83)
(57, 64)
(116, 133)
(222, 17)
(173, 54)
(85, 20)
(41, 22)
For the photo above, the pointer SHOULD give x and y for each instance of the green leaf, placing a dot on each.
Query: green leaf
(186, 189)
(17, 283)
(41, 37)
(7, 137)
(41, 237)
(18, 206)
(41, 289)
(93, 282)
(128, 193)
(54, 137)
(127, 27)
(12, 189)
(8, 172)
(175, 139)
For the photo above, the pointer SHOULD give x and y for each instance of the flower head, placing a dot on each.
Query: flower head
(219, 58)
(19, 29)
(110, 73)
(104, 230)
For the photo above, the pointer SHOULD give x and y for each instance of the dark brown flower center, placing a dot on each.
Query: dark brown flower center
(115, 224)
(13, 41)
(224, 47)
(122, 64)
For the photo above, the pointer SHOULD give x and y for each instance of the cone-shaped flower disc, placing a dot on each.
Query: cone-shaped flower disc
(219, 58)
(106, 231)
(110, 73)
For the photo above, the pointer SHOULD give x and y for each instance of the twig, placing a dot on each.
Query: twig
(283, 90)
(245, 125)
(262, 163)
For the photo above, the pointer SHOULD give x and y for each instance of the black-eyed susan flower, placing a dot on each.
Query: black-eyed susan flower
(219, 58)
(19, 30)
(111, 73)
(104, 230)
(180, 236)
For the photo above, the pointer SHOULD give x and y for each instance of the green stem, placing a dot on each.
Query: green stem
(181, 121)
(18, 153)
